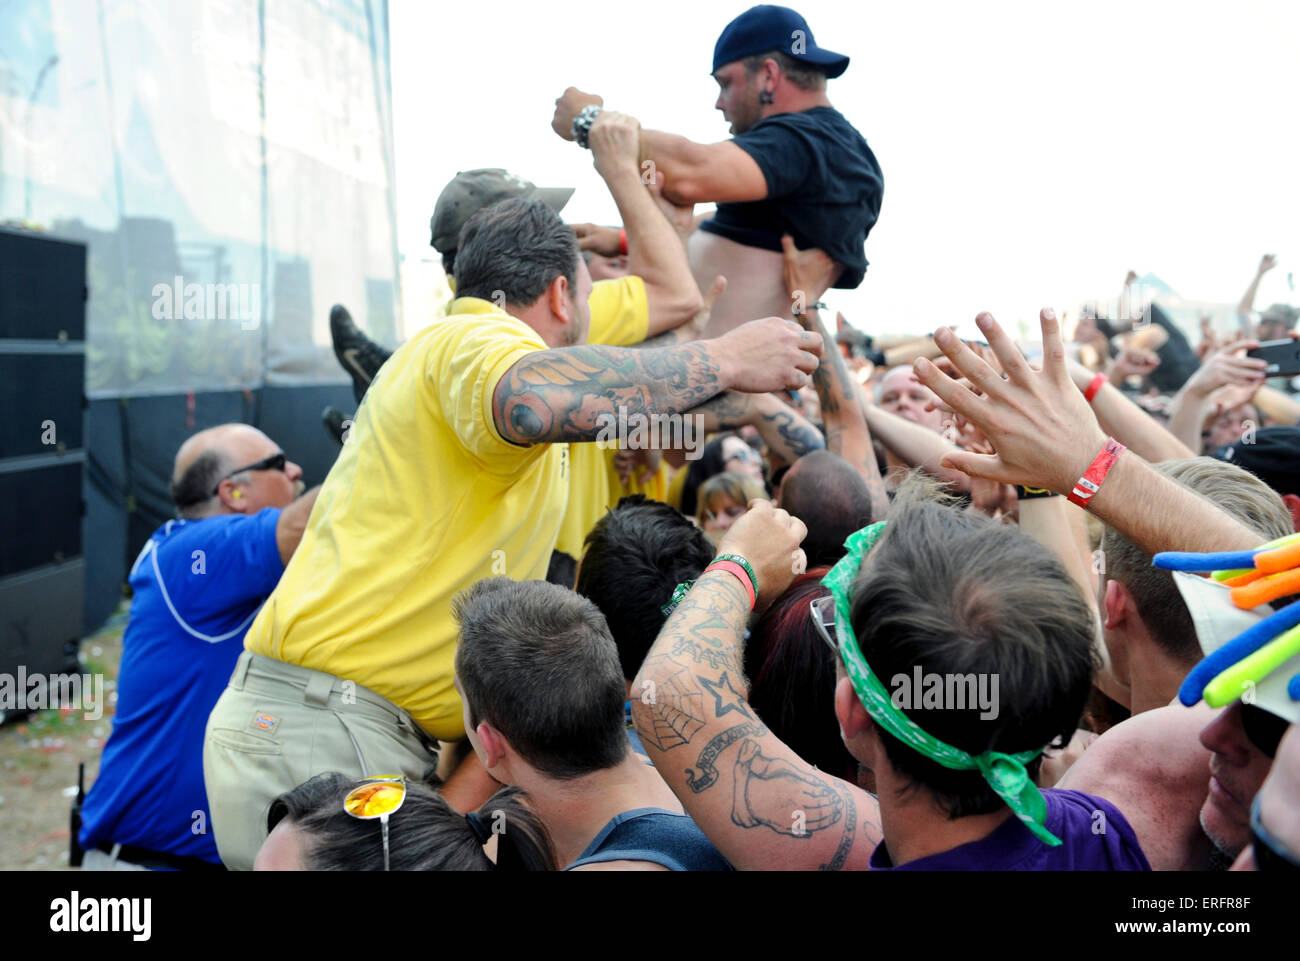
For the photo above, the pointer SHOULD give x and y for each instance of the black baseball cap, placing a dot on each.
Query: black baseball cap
(768, 27)
(1272, 455)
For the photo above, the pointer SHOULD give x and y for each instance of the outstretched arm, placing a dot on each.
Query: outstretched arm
(655, 252)
(561, 394)
(785, 431)
(1127, 422)
(693, 172)
(1045, 434)
(914, 445)
(808, 274)
(293, 523)
(762, 805)
(1247, 305)
(1191, 405)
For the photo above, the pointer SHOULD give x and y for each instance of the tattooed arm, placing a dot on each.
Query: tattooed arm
(758, 802)
(561, 394)
(785, 431)
(807, 275)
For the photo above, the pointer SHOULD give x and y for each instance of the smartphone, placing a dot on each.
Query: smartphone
(1282, 357)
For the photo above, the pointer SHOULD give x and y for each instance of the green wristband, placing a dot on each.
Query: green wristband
(749, 569)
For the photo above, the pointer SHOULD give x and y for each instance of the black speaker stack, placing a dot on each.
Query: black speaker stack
(42, 451)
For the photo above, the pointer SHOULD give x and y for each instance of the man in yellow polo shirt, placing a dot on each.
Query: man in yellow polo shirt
(455, 470)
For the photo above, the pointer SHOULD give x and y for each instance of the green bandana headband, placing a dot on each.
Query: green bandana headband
(1005, 773)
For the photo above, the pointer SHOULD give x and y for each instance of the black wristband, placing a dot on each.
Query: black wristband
(1030, 493)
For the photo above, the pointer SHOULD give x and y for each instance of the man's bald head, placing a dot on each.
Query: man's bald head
(204, 461)
(825, 492)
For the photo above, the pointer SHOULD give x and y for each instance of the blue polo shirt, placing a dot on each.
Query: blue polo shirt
(197, 586)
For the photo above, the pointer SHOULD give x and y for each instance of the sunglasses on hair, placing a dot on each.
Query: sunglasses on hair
(822, 612)
(377, 797)
(274, 462)
(1264, 729)
(1270, 853)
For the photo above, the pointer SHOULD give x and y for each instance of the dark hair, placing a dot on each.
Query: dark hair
(562, 569)
(805, 76)
(515, 249)
(792, 678)
(194, 488)
(710, 462)
(536, 661)
(1158, 601)
(825, 492)
(633, 559)
(424, 834)
(957, 595)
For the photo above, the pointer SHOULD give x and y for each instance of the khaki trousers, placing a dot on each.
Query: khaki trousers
(278, 725)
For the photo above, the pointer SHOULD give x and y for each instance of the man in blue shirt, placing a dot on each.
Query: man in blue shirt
(197, 585)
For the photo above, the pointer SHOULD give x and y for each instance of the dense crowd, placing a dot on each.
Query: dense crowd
(635, 561)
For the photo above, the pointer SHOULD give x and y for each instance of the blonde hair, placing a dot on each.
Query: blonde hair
(741, 488)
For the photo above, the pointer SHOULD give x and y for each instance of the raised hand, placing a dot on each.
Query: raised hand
(567, 106)
(1042, 430)
(769, 538)
(615, 141)
(808, 274)
(1229, 365)
(1133, 360)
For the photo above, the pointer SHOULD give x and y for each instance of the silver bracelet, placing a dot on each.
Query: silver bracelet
(582, 124)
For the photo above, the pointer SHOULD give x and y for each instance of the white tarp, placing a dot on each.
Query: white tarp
(229, 164)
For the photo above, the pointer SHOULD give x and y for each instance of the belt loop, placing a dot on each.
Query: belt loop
(318, 690)
(241, 670)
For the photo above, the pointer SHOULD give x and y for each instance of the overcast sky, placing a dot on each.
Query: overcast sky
(1032, 153)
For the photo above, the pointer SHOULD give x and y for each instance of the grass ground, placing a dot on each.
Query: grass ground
(38, 763)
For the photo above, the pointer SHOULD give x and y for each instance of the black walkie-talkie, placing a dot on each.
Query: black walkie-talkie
(74, 843)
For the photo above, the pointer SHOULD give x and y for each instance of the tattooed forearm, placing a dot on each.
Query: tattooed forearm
(846, 422)
(729, 409)
(790, 435)
(676, 709)
(773, 793)
(561, 395)
(705, 774)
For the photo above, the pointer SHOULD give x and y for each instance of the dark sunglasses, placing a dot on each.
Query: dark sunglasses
(274, 462)
(1264, 729)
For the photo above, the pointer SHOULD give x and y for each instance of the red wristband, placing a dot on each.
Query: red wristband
(622, 241)
(1095, 386)
(732, 567)
(1090, 482)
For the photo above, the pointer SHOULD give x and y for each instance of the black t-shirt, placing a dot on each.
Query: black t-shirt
(823, 188)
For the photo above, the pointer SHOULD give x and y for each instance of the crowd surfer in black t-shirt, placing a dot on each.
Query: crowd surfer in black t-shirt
(794, 165)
